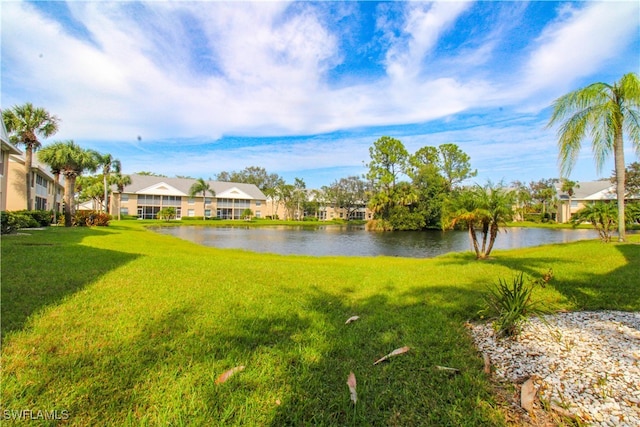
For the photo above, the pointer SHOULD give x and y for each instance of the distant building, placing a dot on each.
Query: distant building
(584, 193)
(147, 195)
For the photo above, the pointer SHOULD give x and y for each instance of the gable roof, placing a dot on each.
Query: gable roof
(589, 190)
(160, 185)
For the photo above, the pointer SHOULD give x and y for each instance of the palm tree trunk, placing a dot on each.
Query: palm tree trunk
(69, 187)
(618, 153)
(106, 193)
(56, 181)
(474, 240)
(28, 161)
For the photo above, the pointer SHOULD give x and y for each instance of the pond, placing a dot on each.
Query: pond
(356, 241)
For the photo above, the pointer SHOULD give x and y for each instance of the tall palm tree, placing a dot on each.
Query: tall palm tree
(73, 161)
(109, 164)
(120, 181)
(50, 155)
(605, 113)
(201, 186)
(569, 187)
(24, 124)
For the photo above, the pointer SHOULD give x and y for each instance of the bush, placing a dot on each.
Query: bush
(511, 304)
(41, 218)
(13, 221)
(89, 219)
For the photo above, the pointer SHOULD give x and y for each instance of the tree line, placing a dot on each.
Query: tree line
(404, 191)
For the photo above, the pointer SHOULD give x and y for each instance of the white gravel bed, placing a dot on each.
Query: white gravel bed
(585, 362)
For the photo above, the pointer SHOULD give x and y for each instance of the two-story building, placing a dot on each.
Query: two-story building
(584, 193)
(147, 195)
(43, 187)
(6, 150)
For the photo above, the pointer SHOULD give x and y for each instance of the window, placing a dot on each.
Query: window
(41, 204)
(192, 201)
(124, 197)
(191, 212)
(258, 214)
(207, 213)
(207, 200)
(124, 211)
(258, 203)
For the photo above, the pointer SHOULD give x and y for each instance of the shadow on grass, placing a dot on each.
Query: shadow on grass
(64, 267)
(297, 363)
(589, 286)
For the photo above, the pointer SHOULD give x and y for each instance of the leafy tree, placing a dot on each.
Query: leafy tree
(481, 210)
(632, 179)
(522, 199)
(166, 214)
(544, 193)
(73, 161)
(147, 173)
(602, 215)
(109, 165)
(247, 214)
(90, 188)
(348, 194)
(255, 175)
(455, 164)
(24, 124)
(603, 113)
(389, 159)
(201, 187)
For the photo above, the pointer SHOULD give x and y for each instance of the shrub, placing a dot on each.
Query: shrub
(167, 214)
(89, 219)
(511, 304)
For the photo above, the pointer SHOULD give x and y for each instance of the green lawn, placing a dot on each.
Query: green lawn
(122, 326)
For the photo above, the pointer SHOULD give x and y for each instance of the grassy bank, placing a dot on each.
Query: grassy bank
(122, 326)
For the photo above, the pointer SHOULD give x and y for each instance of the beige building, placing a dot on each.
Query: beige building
(147, 195)
(6, 150)
(43, 188)
(584, 193)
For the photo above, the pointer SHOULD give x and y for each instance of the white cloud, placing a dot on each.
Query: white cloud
(578, 44)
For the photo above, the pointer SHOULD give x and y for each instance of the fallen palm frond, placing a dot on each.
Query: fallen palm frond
(351, 319)
(351, 382)
(226, 375)
(395, 352)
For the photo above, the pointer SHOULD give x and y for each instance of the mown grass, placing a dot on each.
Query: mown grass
(122, 326)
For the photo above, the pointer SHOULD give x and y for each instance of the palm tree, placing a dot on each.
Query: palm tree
(120, 181)
(50, 155)
(602, 215)
(479, 209)
(73, 160)
(201, 186)
(569, 187)
(109, 164)
(24, 124)
(605, 113)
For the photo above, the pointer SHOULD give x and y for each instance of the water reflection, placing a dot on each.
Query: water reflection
(356, 241)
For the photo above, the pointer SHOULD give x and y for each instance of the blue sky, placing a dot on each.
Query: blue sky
(304, 88)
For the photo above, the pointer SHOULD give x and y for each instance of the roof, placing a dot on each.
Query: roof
(589, 190)
(148, 184)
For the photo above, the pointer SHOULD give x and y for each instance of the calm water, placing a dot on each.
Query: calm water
(356, 241)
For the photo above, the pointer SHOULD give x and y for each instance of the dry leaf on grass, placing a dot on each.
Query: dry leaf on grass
(447, 369)
(351, 382)
(395, 352)
(351, 319)
(226, 375)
